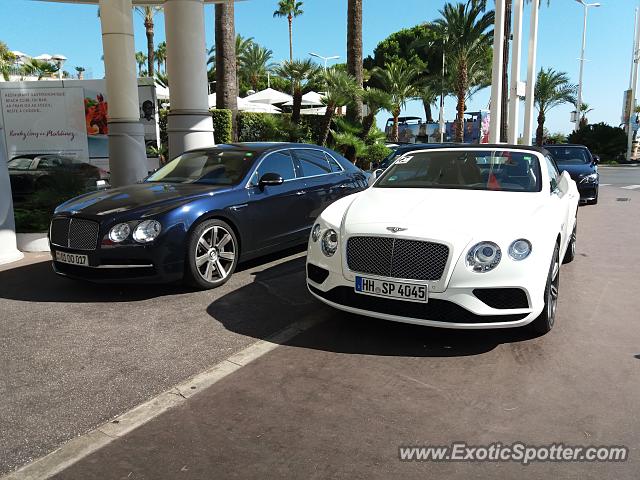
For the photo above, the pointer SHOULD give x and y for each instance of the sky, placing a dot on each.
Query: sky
(36, 27)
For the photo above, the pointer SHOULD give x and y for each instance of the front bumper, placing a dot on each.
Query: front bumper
(455, 302)
(588, 191)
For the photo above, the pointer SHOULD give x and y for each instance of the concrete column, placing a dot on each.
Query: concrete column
(8, 248)
(127, 155)
(189, 123)
(531, 74)
(496, 73)
(514, 100)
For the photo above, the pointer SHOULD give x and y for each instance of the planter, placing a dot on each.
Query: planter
(32, 242)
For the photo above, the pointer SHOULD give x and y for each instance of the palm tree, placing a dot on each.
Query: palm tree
(354, 51)
(552, 89)
(242, 45)
(141, 59)
(6, 60)
(299, 72)
(226, 62)
(161, 55)
(375, 100)
(80, 71)
(162, 79)
(583, 110)
(255, 64)
(289, 9)
(341, 89)
(398, 80)
(148, 14)
(467, 29)
(40, 68)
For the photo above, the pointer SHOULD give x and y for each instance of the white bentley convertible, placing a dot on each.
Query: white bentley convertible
(459, 237)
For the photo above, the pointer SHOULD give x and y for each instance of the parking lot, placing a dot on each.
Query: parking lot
(335, 401)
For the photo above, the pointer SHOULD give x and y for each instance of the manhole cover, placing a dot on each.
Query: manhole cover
(623, 199)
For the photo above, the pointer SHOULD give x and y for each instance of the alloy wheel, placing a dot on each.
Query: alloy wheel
(215, 253)
(552, 300)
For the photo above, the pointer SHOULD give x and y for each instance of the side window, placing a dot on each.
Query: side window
(553, 172)
(277, 162)
(333, 163)
(313, 162)
(48, 162)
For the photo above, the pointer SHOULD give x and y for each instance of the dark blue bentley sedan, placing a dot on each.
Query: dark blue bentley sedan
(198, 216)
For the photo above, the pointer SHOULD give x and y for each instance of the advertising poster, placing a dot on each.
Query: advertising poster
(44, 120)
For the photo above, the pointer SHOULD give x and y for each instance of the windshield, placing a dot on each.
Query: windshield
(211, 167)
(569, 155)
(465, 169)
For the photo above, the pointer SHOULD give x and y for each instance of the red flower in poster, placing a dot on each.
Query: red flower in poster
(95, 114)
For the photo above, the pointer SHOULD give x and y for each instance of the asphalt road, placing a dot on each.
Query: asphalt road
(620, 176)
(338, 400)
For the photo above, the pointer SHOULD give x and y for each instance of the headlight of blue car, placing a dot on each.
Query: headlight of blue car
(591, 178)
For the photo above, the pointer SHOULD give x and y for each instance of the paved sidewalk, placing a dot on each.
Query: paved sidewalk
(338, 400)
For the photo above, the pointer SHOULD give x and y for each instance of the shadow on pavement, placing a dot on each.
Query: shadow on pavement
(36, 282)
(279, 296)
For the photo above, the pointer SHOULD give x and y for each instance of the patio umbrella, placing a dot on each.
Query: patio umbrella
(212, 101)
(259, 107)
(269, 96)
(309, 99)
(45, 57)
(162, 93)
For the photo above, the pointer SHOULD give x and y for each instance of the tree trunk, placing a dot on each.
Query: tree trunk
(462, 92)
(290, 18)
(540, 129)
(395, 130)
(148, 25)
(226, 73)
(367, 123)
(504, 107)
(297, 105)
(326, 124)
(354, 54)
(427, 111)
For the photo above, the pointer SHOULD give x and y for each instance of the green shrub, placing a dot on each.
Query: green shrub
(260, 127)
(373, 154)
(602, 139)
(221, 125)
(162, 126)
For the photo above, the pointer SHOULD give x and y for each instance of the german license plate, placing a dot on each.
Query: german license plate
(399, 290)
(72, 258)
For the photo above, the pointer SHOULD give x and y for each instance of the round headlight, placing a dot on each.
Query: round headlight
(119, 232)
(484, 256)
(315, 233)
(147, 231)
(329, 243)
(520, 249)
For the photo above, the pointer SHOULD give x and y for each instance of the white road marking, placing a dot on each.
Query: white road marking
(605, 184)
(84, 445)
(631, 187)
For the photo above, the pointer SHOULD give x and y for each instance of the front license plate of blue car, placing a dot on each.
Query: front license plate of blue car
(72, 258)
(398, 290)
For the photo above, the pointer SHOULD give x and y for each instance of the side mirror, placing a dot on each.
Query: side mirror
(374, 175)
(563, 183)
(270, 179)
(596, 159)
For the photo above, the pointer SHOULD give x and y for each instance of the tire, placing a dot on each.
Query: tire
(545, 321)
(212, 254)
(570, 254)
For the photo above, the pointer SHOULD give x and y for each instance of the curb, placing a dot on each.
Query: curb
(82, 446)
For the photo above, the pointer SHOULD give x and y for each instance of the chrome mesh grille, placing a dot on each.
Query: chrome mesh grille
(397, 257)
(75, 233)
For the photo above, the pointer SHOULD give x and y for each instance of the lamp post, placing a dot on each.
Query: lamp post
(326, 59)
(584, 44)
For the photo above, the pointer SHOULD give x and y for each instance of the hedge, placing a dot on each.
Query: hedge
(221, 125)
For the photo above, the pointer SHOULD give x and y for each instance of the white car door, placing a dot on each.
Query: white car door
(562, 199)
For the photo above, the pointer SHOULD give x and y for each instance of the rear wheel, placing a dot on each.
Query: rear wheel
(544, 323)
(212, 254)
(570, 254)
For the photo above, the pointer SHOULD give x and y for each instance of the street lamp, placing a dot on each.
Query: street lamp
(584, 44)
(326, 59)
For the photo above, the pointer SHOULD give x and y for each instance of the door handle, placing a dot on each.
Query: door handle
(343, 185)
(301, 192)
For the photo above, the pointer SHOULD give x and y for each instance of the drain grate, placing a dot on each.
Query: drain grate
(623, 199)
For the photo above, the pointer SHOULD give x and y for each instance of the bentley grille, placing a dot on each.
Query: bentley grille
(75, 233)
(397, 257)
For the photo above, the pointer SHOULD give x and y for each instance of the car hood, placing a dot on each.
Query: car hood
(441, 213)
(157, 196)
(578, 171)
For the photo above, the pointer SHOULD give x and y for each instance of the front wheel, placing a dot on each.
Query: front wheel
(212, 254)
(544, 323)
